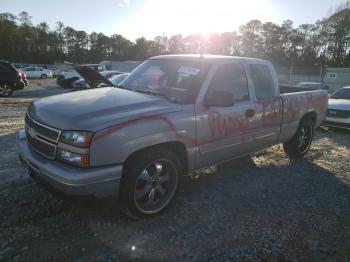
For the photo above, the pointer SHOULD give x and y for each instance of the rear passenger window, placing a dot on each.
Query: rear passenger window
(230, 78)
(263, 82)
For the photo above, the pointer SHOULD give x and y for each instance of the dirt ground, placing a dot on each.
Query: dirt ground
(261, 208)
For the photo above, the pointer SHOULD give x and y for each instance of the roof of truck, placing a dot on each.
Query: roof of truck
(210, 57)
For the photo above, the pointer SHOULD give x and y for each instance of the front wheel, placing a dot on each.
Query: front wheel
(43, 76)
(6, 90)
(301, 141)
(150, 182)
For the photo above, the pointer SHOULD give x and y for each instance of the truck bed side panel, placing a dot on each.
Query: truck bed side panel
(297, 105)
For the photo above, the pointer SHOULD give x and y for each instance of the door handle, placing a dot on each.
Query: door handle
(249, 112)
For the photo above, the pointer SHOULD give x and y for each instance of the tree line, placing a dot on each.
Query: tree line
(324, 43)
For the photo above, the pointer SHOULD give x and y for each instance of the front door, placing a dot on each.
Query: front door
(226, 131)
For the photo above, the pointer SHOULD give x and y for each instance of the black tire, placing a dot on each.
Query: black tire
(136, 187)
(6, 89)
(43, 76)
(301, 141)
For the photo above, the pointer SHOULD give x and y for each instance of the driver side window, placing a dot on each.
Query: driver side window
(230, 78)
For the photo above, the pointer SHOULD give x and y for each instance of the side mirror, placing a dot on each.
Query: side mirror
(219, 99)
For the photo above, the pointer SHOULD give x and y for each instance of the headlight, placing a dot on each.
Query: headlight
(76, 138)
(73, 158)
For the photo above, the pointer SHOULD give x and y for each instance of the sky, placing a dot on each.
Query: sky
(149, 18)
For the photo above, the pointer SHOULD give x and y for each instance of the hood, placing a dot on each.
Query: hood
(91, 76)
(96, 109)
(339, 104)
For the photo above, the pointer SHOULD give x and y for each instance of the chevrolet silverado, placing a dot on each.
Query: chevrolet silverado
(174, 114)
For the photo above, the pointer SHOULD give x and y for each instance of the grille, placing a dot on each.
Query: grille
(41, 138)
(338, 113)
(45, 132)
(41, 147)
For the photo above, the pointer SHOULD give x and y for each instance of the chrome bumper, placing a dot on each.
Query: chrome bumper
(97, 181)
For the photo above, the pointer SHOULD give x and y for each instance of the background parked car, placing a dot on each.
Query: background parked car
(37, 72)
(67, 78)
(338, 113)
(313, 86)
(10, 79)
(115, 80)
(82, 84)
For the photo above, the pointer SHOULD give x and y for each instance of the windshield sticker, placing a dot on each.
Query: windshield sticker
(188, 70)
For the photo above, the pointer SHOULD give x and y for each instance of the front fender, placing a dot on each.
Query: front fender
(114, 144)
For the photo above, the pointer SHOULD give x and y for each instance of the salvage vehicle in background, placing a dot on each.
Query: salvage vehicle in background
(11, 79)
(98, 80)
(67, 78)
(84, 83)
(338, 113)
(37, 72)
(172, 115)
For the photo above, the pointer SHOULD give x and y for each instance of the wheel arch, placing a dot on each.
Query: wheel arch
(7, 82)
(176, 147)
(311, 115)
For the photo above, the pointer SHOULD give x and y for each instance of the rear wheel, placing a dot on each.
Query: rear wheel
(301, 141)
(43, 76)
(6, 89)
(150, 182)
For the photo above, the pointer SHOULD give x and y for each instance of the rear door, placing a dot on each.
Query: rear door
(225, 132)
(38, 71)
(267, 106)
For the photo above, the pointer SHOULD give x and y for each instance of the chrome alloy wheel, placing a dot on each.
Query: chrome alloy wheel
(155, 186)
(5, 90)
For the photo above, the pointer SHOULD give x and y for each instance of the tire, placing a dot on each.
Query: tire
(43, 76)
(6, 90)
(300, 144)
(149, 184)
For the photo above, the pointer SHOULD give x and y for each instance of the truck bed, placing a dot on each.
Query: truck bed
(298, 103)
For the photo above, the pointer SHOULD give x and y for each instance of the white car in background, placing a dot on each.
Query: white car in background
(338, 113)
(37, 72)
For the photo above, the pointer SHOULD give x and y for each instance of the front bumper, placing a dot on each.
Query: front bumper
(337, 122)
(99, 182)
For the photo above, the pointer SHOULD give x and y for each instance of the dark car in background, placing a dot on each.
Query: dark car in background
(66, 79)
(10, 79)
(82, 83)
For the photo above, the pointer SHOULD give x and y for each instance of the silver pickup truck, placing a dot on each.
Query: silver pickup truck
(172, 115)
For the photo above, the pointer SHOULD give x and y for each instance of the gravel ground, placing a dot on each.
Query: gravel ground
(261, 208)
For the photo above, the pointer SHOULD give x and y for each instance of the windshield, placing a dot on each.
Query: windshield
(177, 80)
(342, 94)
